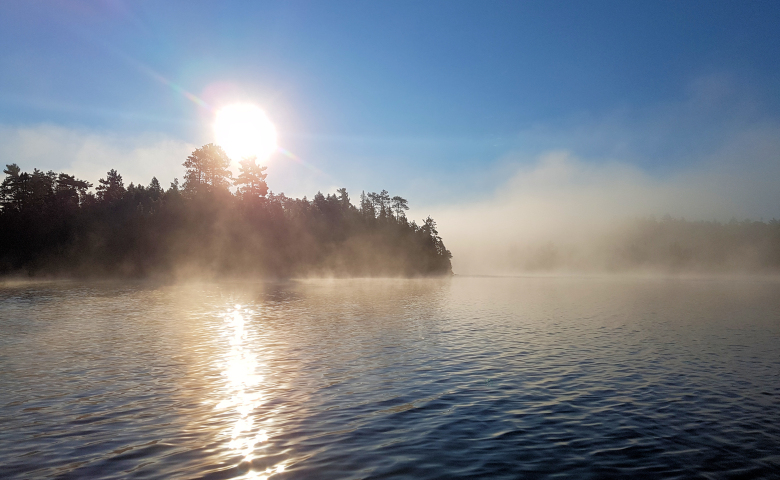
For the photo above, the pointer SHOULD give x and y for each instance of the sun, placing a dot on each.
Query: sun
(243, 130)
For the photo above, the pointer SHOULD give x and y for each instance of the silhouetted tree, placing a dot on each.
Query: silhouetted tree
(155, 190)
(400, 205)
(13, 189)
(343, 198)
(41, 188)
(207, 170)
(110, 189)
(251, 179)
(70, 191)
(366, 205)
(380, 203)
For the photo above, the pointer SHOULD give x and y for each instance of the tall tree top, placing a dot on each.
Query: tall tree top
(251, 179)
(111, 188)
(207, 170)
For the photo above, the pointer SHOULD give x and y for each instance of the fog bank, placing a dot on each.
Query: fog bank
(559, 212)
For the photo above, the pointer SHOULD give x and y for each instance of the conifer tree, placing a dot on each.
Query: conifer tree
(70, 191)
(400, 205)
(207, 170)
(251, 179)
(111, 188)
(12, 190)
(343, 198)
(155, 190)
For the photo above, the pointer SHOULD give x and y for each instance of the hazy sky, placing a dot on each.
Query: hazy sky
(446, 103)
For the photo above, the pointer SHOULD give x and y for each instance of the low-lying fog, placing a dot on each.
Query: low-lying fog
(560, 213)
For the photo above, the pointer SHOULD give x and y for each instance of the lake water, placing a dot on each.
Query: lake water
(536, 377)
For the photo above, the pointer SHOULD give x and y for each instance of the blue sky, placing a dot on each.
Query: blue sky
(440, 102)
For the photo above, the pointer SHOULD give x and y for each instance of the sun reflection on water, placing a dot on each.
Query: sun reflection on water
(244, 392)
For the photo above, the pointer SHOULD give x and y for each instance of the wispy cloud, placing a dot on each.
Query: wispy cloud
(89, 155)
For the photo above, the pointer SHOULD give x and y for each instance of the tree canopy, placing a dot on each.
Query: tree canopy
(51, 223)
(207, 170)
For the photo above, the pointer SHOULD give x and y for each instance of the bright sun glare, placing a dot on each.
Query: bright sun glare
(244, 130)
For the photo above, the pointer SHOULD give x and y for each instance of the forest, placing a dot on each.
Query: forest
(211, 224)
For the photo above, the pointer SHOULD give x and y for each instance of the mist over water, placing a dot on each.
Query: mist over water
(558, 213)
(597, 377)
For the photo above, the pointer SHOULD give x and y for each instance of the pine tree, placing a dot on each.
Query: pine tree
(207, 170)
(111, 188)
(343, 198)
(11, 190)
(155, 190)
(400, 204)
(251, 179)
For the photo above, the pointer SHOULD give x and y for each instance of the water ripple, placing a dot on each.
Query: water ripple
(453, 378)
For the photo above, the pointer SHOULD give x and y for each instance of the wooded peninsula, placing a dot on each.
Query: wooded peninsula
(214, 224)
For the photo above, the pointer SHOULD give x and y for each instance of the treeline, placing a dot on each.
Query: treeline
(665, 245)
(53, 223)
(679, 244)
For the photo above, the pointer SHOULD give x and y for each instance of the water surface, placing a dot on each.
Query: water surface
(534, 377)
